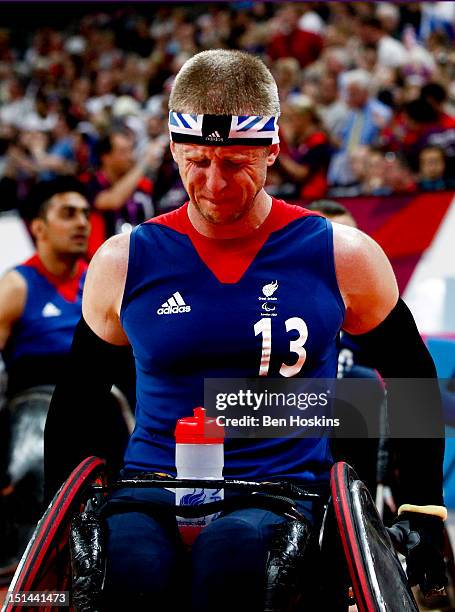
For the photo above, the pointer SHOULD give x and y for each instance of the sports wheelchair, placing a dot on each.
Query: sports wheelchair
(21, 464)
(352, 534)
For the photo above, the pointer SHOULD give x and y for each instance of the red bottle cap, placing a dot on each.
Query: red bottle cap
(199, 429)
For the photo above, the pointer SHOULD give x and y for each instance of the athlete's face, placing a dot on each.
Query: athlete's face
(121, 157)
(223, 182)
(65, 226)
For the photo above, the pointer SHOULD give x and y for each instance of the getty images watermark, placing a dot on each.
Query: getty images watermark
(265, 401)
(341, 408)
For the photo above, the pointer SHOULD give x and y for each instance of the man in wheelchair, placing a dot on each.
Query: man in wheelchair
(187, 290)
(40, 305)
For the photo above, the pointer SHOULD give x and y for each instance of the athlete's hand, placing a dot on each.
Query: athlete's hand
(154, 154)
(420, 538)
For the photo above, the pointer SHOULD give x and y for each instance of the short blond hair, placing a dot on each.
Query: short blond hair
(221, 82)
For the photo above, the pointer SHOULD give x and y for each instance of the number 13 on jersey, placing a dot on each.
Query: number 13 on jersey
(264, 327)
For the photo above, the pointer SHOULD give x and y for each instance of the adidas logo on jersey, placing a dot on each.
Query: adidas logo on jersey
(174, 305)
(50, 310)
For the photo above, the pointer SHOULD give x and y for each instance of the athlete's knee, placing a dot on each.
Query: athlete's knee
(234, 540)
(230, 558)
(142, 558)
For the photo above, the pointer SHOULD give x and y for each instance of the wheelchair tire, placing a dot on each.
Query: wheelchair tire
(45, 564)
(378, 579)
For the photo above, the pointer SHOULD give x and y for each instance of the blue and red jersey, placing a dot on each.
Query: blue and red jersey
(52, 309)
(193, 309)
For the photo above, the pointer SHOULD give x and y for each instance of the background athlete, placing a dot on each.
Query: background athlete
(217, 252)
(40, 305)
(41, 299)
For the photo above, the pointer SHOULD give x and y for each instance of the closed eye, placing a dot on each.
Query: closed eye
(200, 163)
(233, 164)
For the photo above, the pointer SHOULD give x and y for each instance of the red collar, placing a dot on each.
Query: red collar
(229, 259)
(68, 288)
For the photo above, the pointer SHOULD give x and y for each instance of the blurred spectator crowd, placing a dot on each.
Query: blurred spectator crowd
(367, 92)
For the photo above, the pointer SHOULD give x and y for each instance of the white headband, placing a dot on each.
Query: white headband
(223, 130)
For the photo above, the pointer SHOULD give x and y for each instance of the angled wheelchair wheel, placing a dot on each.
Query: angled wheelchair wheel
(21, 450)
(45, 564)
(28, 411)
(378, 580)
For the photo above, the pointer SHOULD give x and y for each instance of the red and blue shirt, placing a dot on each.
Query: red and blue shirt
(52, 309)
(191, 311)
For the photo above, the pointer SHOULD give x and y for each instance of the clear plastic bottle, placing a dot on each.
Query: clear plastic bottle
(199, 454)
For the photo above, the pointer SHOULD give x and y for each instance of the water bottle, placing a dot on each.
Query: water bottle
(199, 454)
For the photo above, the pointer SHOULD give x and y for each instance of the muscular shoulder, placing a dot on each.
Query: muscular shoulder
(103, 289)
(112, 257)
(13, 290)
(365, 277)
(13, 295)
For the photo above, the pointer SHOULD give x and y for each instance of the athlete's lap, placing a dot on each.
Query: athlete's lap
(228, 559)
(142, 552)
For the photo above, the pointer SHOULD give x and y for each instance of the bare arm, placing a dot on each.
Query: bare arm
(54, 163)
(365, 277)
(78, 413)
(116, 196)
(298, 172)
(13, 293)
(48, 161)
(386, 332)
(103, 290)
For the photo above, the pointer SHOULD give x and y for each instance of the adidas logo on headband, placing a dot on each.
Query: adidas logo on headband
(215, 136)
(223, 130)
